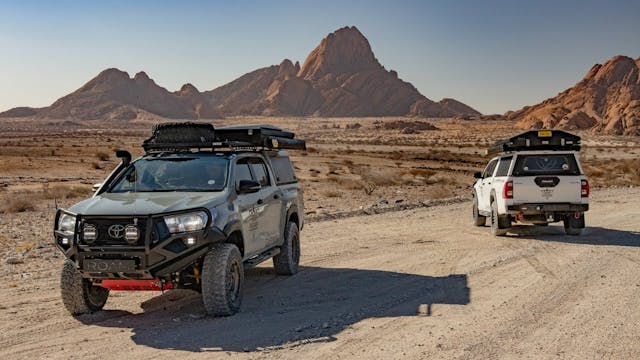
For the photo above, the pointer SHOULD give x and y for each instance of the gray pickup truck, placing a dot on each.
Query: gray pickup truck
(198, 208)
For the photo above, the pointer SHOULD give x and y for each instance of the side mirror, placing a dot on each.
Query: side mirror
(124, 156)
(95, 187)
(248, 186)
(477, 175)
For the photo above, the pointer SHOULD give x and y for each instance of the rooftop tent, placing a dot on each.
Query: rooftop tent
(189, 135)
(267, 136)
(537, 140)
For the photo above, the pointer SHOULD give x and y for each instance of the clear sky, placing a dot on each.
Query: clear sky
(492, 55)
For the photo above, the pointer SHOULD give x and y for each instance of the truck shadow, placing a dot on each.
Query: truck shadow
(311, 306)
(590, 235)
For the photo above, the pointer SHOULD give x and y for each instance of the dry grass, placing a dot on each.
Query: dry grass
(621, 172)
(102, 155)
(65, 191)
(25, 246)
(331, 193)
(17, 203)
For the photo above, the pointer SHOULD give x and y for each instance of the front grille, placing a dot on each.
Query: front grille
(104, 237)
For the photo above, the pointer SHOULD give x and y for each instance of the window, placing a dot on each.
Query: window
(174, 172)
(283, 170)
(503, 166)
(242, 171)
(546, 164)
(488, 171)
(259, 171)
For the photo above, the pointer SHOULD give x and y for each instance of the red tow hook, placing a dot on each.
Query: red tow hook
(135, 285)
(577, 215)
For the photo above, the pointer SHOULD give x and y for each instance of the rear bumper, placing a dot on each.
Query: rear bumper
(546, 208)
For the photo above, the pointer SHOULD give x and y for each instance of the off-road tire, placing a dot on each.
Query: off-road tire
(497, 226)
(222, 280)
(478, 220)
(79, 295)
(573, 226)
(287, 261)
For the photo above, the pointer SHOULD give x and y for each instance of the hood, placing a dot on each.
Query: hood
(146, 203)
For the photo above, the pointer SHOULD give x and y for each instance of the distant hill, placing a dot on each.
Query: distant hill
(607, 100)
(341, 77)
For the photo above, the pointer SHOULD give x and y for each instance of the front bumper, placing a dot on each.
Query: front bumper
(546, 208)
(154, 256)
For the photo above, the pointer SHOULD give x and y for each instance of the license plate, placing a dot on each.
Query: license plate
(108, 265)
(545, 133)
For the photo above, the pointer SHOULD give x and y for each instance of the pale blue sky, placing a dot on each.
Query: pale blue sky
(493, 55)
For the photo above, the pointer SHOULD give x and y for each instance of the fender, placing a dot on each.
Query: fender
(231, 227)
(293, 209)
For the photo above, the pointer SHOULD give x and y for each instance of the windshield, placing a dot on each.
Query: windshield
(176, 172)
(548, 164)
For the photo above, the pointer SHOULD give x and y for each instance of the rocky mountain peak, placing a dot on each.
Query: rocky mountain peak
(343, 51)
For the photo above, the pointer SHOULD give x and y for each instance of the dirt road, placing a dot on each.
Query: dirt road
(421, 283)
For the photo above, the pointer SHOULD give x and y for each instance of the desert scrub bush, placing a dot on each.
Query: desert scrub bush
(16, 204)
(96, 165)
(331, 193)
(102, 155)
(64, 191)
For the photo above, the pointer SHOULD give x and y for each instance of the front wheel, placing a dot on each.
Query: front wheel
(222, 280)
(287, 261)
(79, 295)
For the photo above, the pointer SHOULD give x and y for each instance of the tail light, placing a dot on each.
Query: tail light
(507, 191)
(584, 188)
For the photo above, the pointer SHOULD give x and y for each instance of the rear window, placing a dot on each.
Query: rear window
(548, 164)
(283, 170)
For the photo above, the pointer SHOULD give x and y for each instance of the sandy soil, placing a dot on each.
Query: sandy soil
(442, 289)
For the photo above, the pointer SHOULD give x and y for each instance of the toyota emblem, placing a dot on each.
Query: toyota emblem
(116, 231)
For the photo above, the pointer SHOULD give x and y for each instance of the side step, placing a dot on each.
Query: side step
(254, 261)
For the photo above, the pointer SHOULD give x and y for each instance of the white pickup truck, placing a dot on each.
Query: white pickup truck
(537, 179)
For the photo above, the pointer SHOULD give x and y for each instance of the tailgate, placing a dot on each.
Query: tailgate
(547, 189)
(546, 178)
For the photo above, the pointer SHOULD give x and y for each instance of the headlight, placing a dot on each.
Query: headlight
(186, 222)
(67, 224)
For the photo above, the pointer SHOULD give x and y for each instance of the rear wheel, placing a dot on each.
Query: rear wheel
(573, 226)
(498, 226)
(79, 295)
(286, 262)
(478, 220)
(222, 280)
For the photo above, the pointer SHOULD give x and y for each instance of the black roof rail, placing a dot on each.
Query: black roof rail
(537, 140)
(176, 136)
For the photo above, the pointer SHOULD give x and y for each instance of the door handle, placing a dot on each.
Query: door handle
(260, 201)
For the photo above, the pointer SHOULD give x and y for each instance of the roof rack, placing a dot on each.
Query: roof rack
(537, 140)
(186, 136)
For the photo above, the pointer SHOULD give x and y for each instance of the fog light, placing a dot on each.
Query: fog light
(89, 233)
(64, 241)
(131, 234)
(190, 241)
